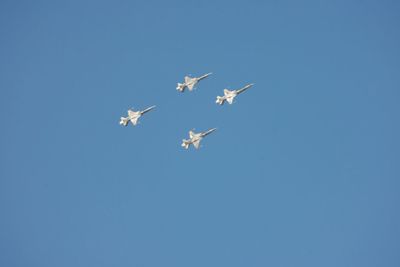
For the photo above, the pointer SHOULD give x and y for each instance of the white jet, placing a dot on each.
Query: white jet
(133, 116)
(229, 95)
(195, 138)
(190, 83)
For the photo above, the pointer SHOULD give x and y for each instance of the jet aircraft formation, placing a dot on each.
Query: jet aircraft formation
(189, 83)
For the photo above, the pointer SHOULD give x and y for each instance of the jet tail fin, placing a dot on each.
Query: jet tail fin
(124, 121)
(185, 143)
(180, 87)
(220, 100)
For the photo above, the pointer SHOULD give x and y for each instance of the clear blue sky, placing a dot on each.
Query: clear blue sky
(302, 171)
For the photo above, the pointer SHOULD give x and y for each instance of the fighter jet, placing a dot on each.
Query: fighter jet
(190, 83)
(230, 95)
(195, 138)
(133, 116)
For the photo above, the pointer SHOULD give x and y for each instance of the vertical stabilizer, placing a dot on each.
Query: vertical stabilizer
(124, 121)
(185, 144)
(220, 100)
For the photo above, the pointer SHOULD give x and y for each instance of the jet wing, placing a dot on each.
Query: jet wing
(196, 144)
(134, 120)
(191, 85)
(131, 113)
(188, 79)
(190, 82)
(230, 99)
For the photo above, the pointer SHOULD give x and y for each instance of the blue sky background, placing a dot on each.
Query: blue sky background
(302, 171)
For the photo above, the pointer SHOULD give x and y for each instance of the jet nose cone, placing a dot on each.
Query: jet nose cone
(211, 130)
